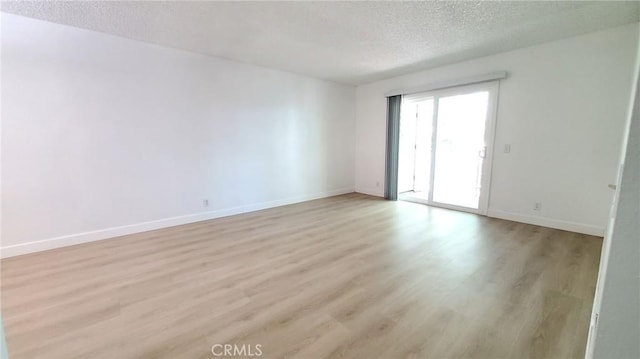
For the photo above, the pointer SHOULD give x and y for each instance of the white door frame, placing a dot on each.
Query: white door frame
(489, 138)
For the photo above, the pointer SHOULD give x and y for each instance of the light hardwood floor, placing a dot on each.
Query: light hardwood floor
(350, 276)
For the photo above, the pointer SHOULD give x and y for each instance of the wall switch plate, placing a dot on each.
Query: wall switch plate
(537, 206)
(507, 148)
(205, 203)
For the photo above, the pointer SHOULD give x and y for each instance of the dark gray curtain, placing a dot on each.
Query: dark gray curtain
(393, 147)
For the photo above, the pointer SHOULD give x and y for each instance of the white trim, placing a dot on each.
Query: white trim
(498, 75)
(434, 150)
(489, 141)
(370, 191)
(85, 237)
(548, 222)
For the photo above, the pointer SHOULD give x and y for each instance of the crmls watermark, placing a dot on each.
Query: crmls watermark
(236, 350)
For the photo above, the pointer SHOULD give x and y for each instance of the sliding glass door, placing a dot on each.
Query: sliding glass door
(446, 147)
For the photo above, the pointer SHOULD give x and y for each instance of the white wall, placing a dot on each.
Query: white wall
(562, 109)
(101, 132)
(618, 326)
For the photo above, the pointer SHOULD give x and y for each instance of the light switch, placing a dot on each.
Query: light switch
(507, 148)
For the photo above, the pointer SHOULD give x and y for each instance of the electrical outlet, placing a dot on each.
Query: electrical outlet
(205, 203)
(537, 206)
(377, 184)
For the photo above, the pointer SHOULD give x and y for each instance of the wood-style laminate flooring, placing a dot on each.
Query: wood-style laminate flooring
(351, 276)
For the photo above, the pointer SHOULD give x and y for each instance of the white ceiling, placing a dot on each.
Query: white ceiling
(348, 42)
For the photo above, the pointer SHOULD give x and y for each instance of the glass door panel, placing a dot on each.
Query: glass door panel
(460, 149)
(407, 150)
(424, 126)
(414, 170)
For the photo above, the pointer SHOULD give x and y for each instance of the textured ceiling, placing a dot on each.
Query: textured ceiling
(348, 42)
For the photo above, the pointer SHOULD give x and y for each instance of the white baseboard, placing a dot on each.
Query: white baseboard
(371, 191)
(548, 222)
(85, 237)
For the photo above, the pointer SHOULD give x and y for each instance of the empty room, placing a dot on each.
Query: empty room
(205, 179)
